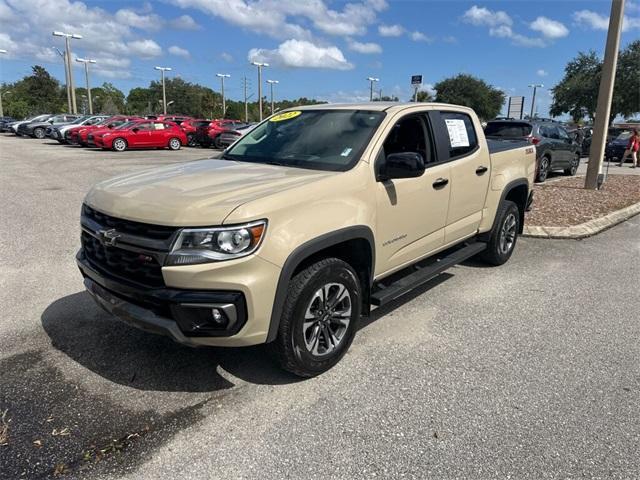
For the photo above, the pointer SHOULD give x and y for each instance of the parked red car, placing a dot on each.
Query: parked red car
(142, 134)
(190, 127)
(80, 135)
(209, 135)
(170, 117)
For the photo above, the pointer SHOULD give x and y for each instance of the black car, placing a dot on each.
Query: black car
(38, 129)
(556, 150)
(616, 147)
(4, 123)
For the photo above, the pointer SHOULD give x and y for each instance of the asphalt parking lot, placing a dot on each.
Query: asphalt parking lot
(529, 370)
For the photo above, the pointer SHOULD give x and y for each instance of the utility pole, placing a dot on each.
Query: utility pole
(533, 100)
(164, 92)
(3, 52)
(260, 65)
(246, 106)
(380, 95)
(67, 49)
(271, 83)
(605, 95)
(2, 94)
(372, 80)
(222, 76)
(66, 77)
(86, 62)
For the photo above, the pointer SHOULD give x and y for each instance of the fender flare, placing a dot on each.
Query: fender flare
(505, 191)
(303, 252)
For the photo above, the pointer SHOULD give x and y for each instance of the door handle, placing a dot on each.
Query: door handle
(481, 170)
(440, 182)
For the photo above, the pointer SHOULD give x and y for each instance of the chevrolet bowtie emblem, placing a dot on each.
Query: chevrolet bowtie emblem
(109, 237)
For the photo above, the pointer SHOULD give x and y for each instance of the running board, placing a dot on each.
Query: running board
(385, 294)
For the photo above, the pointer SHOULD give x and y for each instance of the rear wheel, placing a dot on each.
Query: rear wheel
(175, 144)
(543, 169)
(573, 168)
(319, 319)
(38, 133)
(217, 143)
(119, 145)
(191, 140)
(503, 237)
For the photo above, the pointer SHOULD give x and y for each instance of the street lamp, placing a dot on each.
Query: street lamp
(372, 80)
(67, 46)
(3, 51)
(271, 84)
(535, 87)
(164, 93)
(222, 76)
(86, 62)
(260, 65)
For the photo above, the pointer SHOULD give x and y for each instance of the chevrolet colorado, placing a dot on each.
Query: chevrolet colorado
(302, 225)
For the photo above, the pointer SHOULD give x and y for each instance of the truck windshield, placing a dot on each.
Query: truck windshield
(330, 140)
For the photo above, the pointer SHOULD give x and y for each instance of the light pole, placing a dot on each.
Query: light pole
(4, 52)
(260, 65)
(67, 49)
(2, 94)
(271, 83)
(164, 93)
(86, 62)
(372, 80)
(222, 76)
(535, 87)
(66, 77)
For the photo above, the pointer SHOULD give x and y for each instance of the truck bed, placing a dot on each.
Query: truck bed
(498, 146)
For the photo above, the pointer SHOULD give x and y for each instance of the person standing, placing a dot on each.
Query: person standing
(632, 149)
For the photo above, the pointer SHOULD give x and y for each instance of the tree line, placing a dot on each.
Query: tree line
(576, 94)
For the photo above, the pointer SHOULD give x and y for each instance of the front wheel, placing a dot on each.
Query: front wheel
(503, 236)
(573, 168)
(119, 145)
(38, 133)
(319, 319)
(174, 144)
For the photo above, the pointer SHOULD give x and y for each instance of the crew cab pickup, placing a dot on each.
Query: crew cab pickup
(302, 225)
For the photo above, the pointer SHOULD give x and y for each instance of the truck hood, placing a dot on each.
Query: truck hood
(201, 193)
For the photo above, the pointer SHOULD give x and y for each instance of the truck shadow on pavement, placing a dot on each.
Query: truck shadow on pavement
(144, 361)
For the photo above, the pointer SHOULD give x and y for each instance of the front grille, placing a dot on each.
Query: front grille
(146, 230)
(125, 264)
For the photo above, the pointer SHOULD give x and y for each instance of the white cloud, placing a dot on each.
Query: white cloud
(505, 31)
(179, 52)
(390, 30)
(366, 48)
(450, 39)
(542, 73)
(7, 43)
(551, 29)
(144, 48)
(301, 54)
(130, 18)
(184, 22)
(483, 17)
(596, 21)
(227, 57)
(420, 37)
(342, 96)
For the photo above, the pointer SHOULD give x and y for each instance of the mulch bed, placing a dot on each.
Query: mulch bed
(565, 202)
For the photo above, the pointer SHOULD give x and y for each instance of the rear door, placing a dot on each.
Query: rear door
(565, 145)
(158, 134)
(411, 211)
(458, 138)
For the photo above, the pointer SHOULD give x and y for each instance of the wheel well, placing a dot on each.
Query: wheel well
(519, 195)
(357, 253)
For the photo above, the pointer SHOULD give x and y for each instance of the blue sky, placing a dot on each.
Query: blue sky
(323, 49)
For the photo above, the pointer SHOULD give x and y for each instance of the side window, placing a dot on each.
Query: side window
(409, 135)
(159, 126)
(144, 126)
(462, 135)
(563, 133)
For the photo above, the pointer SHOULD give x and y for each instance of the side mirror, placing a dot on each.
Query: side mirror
(109, 126)
(135, 130)
(401, 165)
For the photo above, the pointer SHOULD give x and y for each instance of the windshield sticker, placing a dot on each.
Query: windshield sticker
(285, 116)
(346, 152)
(457, 133)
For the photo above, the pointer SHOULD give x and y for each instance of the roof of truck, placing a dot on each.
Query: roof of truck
(372, 106)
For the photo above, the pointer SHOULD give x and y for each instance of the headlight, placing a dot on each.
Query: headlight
(202, 245)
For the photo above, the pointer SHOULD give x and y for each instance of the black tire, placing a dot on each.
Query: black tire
(174, 143)
(38, 133)
(119, 144)
(298, 345)
(573, 169)
(504, 230)
(544, 167)
(217, 144)
(191, 140)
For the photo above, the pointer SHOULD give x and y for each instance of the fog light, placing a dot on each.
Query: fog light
(202, 319)
(218, 316)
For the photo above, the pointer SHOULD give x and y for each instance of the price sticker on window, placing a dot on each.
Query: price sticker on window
(458, 136)
(285, 116)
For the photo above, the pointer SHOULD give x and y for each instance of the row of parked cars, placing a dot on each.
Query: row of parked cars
(122, 132)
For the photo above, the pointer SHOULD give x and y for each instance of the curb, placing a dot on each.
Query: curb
(584, 230)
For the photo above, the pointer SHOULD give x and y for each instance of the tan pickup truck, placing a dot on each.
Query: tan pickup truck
(302, 225)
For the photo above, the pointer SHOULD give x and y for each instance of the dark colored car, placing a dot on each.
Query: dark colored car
(4, 123)
(556, 150)
(191, 126)
(227, 137)
(616, 147)
(208, 135)
(612, 134)
(13, 127)
(59, 132)
(38, 129)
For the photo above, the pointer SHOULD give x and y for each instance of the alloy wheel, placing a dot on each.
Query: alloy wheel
(508, 234)
(119, 145)
(544, 169)
(174, 144)
(327, 319)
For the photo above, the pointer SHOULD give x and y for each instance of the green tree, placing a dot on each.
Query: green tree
(386, 98)
(40, 91)
(472, 92)
(424, 96)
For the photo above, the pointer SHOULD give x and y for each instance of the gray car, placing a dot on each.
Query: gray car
(556, 149)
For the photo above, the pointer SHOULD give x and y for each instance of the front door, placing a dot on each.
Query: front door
(141, 135)
(411, 211)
